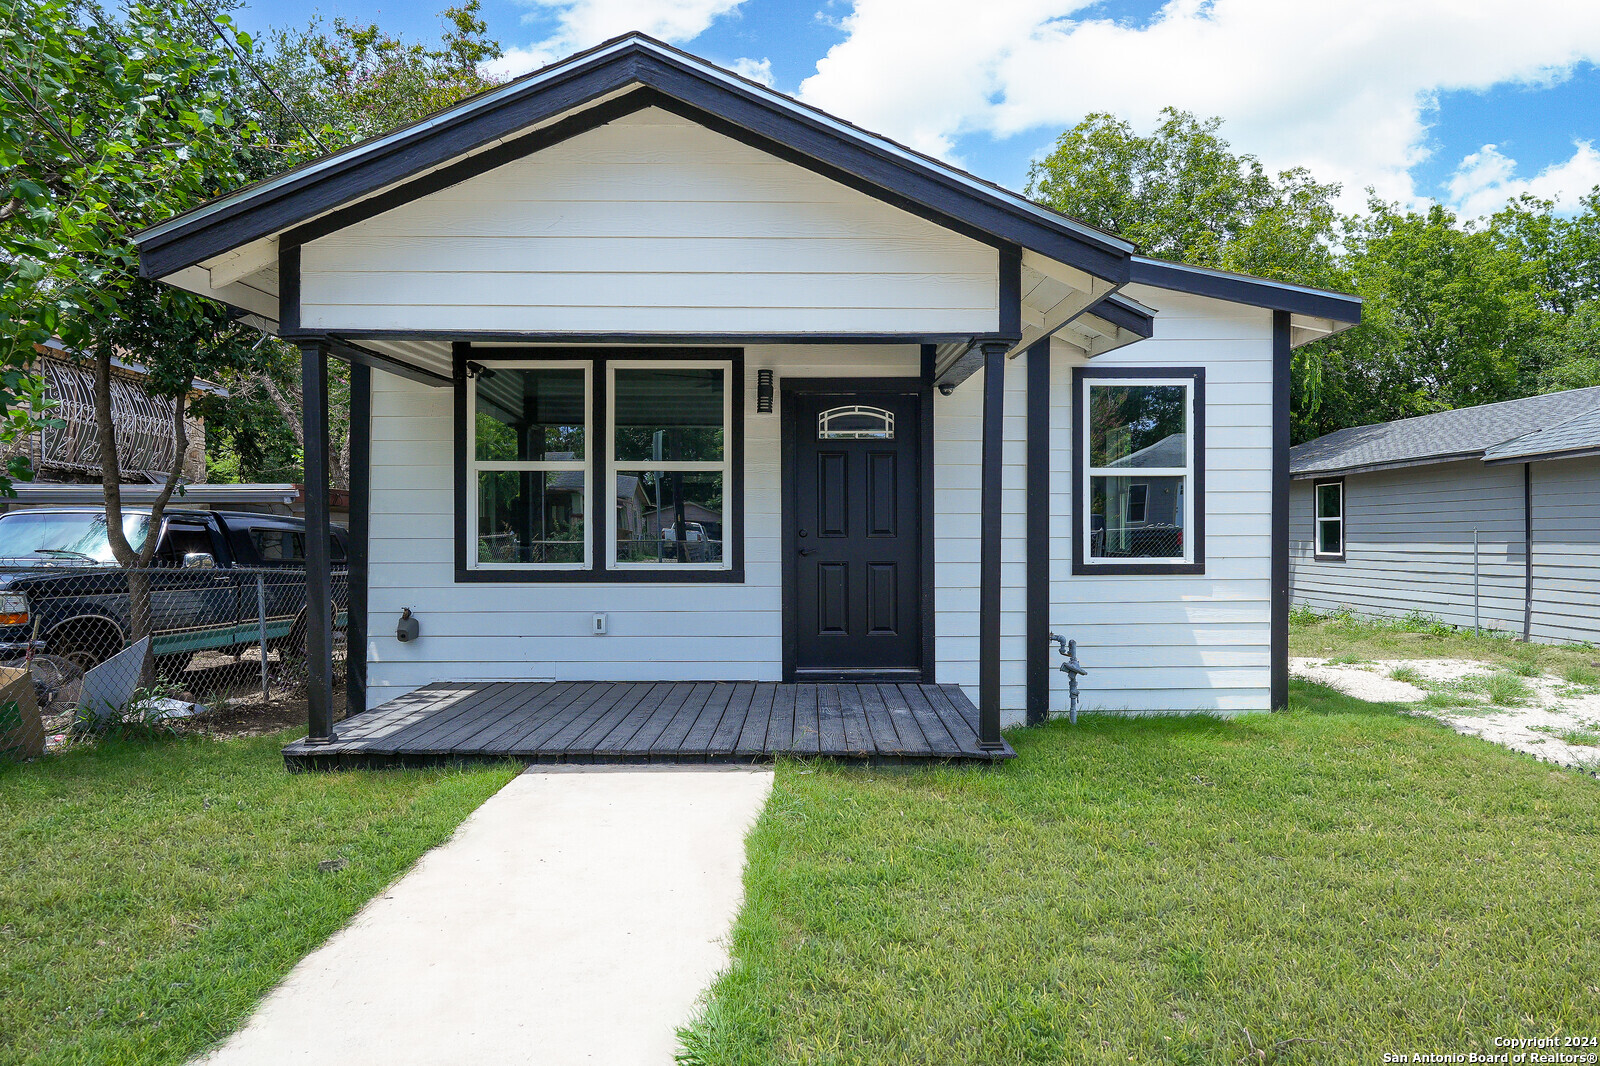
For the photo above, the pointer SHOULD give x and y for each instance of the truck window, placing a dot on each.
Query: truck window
(279, 545)
(181, 540)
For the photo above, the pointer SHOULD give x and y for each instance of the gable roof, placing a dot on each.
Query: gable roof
(1466, 433)
(579, 93)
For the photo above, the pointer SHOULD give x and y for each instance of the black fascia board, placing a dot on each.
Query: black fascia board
(786, 132)
(1238, 288)
(1124, 315)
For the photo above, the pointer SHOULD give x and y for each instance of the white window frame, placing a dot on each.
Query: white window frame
(725, 467)
(586, 464)
(1090, 472)
(1317, 518)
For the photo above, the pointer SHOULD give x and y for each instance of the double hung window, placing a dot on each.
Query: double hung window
(1139, 470)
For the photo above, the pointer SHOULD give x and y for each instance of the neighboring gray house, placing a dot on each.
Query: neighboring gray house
(1383, 519)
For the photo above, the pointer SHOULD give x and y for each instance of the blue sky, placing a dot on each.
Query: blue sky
(1405, 97)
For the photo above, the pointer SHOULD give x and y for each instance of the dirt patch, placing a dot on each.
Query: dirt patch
(1551, 712)
(250, 718)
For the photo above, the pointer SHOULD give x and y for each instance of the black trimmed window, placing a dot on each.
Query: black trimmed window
(1328, 501)
(548, 428)
(1138, 470)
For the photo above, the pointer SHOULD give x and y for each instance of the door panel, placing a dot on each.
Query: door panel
(854, 510)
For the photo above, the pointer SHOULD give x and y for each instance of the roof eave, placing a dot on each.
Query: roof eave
(1243, 289)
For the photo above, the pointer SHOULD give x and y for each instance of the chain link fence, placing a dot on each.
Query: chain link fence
(106, 644)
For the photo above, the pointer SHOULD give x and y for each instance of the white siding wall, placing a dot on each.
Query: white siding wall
(655, 632)
(1408, 546)
(1154, 643)
(1200, 642)
(649, 224)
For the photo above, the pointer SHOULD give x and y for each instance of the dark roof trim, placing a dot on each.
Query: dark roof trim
(824, 143)
(1398, 464)
(1545, 457)
(1125, 313)
(360, 355)
(503, 337)
(1243, 289)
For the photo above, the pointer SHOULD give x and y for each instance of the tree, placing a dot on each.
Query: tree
(335, 87)
(322, 89)
(1182, 193)
(108, 125)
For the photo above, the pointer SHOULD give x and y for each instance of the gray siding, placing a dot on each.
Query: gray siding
(1408, 546)
(1566, 550)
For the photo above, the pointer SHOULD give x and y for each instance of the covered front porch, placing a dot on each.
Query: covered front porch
(656, 721)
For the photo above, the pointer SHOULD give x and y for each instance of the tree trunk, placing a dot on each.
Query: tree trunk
(338, 460)
(136, 562)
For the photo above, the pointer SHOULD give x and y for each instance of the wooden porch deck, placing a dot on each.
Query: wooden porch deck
(655, 721)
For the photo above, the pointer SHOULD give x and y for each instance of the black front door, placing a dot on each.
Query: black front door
(855, 533)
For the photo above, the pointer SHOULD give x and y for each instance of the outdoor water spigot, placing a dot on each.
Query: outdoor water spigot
(1074, 670)
(408, 629)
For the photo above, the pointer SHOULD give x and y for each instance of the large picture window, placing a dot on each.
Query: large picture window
(542, 438)
(1138, 471)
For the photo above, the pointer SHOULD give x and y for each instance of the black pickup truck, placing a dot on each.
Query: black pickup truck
(62, 592)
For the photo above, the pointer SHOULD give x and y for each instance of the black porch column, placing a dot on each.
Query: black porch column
(319, 590)
(994, 393)
(1038, 533)
(355, 631)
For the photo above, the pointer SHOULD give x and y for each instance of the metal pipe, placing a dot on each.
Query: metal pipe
(1475, 629)
(261, 624)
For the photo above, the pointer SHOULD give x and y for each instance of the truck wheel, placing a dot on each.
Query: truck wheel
(88, 643)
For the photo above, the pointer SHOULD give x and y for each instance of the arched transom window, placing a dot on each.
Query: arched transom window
(856, 422)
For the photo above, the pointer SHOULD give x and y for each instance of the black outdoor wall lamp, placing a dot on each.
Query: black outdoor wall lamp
(763, 392)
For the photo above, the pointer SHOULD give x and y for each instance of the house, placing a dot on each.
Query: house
(907, 395)
(1484, 517)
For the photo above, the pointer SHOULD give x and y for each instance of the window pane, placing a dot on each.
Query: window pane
(530, 415)
(530, 516)
(1328, 536)
(666, 517)
(1328, 501)
(1141, 519)
(1138, 425)
(669, 413)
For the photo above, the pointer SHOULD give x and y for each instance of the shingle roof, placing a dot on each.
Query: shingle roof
(1466, 433)
(1575, 435)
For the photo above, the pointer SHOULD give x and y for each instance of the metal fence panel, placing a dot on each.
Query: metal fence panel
(217, 636)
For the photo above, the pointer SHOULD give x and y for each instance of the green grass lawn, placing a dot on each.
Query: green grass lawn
(1346, 637)
(152, 891)
(1322, 885)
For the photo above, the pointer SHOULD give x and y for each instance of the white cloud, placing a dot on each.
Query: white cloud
(754, 69)
(583, 23)
(1341, 86)
(1487, 178)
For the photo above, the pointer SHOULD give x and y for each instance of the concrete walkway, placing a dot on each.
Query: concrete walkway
(574, 918)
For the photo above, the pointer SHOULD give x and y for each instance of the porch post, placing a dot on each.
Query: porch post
(994, 392)
(1038, 532)
(319, 598)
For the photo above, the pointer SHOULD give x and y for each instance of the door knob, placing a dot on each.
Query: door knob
(807, 551)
